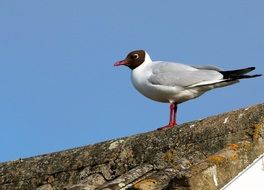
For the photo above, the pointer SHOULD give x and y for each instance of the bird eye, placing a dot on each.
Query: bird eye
(135, 56)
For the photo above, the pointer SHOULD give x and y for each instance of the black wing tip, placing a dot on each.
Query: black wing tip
(257, 75)
(248, 76)
(251, 68)
(239, 73)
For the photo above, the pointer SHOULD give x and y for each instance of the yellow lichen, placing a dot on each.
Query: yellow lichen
(246, 145)
(234, 157)
(233, 147)
(256, 132)
(146, 184)
(216, 159)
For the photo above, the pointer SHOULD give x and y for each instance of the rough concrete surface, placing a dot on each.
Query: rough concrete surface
(204, 154)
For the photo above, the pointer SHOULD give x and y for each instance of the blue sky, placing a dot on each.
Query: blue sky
(59, 88)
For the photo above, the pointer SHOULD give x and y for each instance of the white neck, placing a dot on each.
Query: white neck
(147, 58)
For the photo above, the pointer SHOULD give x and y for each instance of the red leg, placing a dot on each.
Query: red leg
(173, 112)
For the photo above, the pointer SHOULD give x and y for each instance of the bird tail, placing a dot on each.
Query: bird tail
(239, 74)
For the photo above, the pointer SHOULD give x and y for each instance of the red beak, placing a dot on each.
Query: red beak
(123, 62)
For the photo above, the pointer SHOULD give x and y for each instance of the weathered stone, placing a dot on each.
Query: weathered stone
(45, 187)
(128, 177)
(195, 155)
(89, 183)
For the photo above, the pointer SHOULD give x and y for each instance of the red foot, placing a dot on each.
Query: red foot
(173, 111)
(167, 126)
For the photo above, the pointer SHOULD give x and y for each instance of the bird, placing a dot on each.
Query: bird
(175, 83)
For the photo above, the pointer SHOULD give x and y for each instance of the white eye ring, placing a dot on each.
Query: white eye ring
(135, 56)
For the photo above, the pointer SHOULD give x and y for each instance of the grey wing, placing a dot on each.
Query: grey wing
(207, 67)
(176, 74)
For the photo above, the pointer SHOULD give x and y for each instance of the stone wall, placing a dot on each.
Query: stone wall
(204, 154)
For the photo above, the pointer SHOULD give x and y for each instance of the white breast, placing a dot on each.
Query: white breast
(160, 93)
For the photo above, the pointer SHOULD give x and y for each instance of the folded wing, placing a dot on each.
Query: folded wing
(176, 74)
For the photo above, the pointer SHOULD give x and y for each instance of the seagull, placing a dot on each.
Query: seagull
(175, 83)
